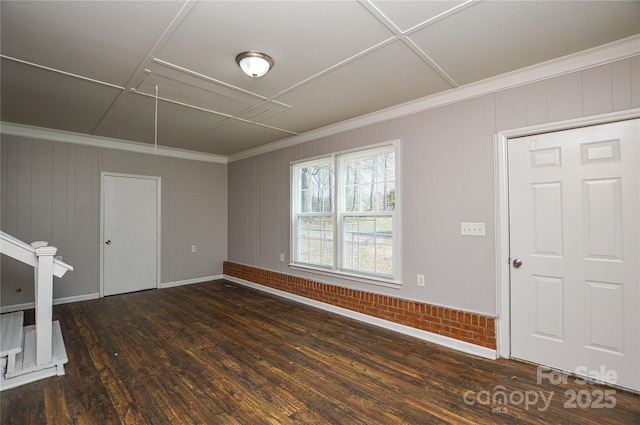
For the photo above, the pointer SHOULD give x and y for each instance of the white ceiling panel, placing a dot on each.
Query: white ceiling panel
(234, 136)
(493, 38)
(31, 95)
(132, 117)
(303, 37)
(390, 75)
(105, 40)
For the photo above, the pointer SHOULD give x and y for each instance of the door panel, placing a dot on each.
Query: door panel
(547, 216)
(130, 234)
(602, 212)
(548, 307)
(605, 317)
(574, 224)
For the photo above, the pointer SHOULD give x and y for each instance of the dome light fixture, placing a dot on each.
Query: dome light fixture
(254, 64)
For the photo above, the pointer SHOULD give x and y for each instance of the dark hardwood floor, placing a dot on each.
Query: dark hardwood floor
(220, 353)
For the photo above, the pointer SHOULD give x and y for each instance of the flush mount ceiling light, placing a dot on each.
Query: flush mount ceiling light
(254, 64)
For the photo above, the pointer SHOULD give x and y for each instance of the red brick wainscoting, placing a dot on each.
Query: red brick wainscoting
(469, 327)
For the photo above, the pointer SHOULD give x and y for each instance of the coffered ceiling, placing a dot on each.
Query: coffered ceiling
(92, 67)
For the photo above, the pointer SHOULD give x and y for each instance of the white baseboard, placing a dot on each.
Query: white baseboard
(76, 298)
(452, 343)
(56, 301)
(189, 281)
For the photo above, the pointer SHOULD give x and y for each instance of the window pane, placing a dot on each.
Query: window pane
(366, 204)
(316, 188)
(370, 182)
(315, 240)
(368, 244)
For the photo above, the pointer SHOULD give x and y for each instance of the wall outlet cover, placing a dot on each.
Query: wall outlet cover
(472, 229)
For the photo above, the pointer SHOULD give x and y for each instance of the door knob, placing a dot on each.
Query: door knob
(517, 263)
(108, 242)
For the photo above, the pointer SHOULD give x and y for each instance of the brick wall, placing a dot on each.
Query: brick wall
(469, 327)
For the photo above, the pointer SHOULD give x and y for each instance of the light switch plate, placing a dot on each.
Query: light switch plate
(472, 229)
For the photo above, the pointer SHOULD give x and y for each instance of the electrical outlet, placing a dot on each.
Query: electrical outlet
(193, 248)
(472, 229)
(282, 257)
(420, 280)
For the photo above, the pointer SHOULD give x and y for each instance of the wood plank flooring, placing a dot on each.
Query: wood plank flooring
(220, 353)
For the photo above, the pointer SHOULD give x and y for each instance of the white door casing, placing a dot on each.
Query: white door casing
(130, 233)
(574, 224)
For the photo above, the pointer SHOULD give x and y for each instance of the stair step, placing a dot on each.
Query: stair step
(11, 337)
(11, 333)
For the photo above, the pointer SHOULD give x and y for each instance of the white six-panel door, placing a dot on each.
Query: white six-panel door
(130, 233)
(575, 250)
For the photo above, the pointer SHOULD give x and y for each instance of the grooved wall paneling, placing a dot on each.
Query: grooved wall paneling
(51, 192)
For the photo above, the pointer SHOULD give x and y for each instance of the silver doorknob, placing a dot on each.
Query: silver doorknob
(108, 242)
(517, 263)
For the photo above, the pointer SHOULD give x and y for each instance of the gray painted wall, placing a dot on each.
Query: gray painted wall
(446, 177)
(51, 191)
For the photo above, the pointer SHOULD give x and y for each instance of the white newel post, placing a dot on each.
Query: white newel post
(43, 276)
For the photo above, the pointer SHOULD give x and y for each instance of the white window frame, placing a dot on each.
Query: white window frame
(296, 214)
(339, 213)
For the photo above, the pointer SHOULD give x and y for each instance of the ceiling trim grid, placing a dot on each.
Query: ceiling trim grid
(611, 52)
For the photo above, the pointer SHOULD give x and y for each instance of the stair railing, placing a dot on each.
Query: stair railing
(40, 256)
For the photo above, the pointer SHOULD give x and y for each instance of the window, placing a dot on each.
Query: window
(344, 213)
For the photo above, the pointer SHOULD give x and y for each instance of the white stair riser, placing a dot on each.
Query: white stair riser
(11, 338)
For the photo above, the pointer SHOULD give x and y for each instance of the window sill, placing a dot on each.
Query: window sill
(388, 283)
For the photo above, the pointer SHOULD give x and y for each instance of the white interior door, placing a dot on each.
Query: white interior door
(130, 233)
(574, 213)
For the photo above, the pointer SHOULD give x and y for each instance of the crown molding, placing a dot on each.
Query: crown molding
(105, 142)
(590, 58)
